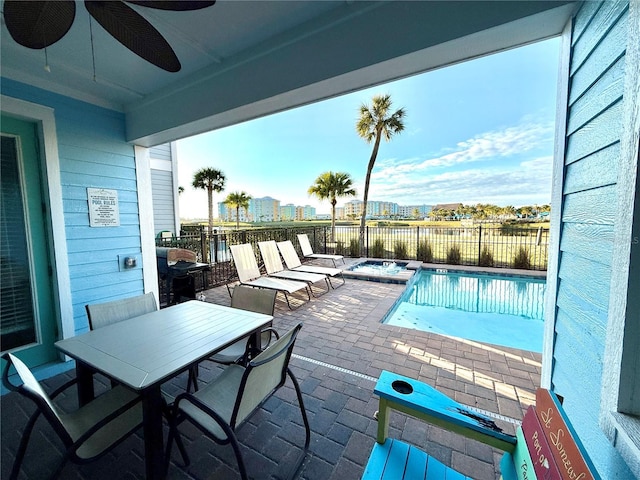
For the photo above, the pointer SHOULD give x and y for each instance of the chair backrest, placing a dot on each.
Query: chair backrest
(103, 314)
(270, 256)
(305, 245)
(32, 389)
(289, 254)
(264, 375)
(258, 300)
(245, 262)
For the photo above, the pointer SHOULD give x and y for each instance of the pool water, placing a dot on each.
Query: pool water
(379, 268)
(505, 311)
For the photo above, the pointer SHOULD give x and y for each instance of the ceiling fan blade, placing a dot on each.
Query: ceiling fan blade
(177, 6)
(38, 24)
(135, 33)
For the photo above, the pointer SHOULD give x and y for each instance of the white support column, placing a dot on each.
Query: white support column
(145, 212)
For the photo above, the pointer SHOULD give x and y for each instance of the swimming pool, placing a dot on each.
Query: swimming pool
(501, 310)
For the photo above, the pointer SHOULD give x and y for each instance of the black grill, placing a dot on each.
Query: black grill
(177, 268)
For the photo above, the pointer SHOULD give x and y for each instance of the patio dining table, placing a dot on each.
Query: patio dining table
(143, 352)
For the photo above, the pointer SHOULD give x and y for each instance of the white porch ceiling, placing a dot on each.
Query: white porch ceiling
(244, 59)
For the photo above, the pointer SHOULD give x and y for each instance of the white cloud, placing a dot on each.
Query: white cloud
(528, 184)
(510, 141)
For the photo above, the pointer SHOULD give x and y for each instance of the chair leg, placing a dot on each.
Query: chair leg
(236, 450)
(22, 448)
(340, 284)
(175, 435)
(305, 420)
(193, 379)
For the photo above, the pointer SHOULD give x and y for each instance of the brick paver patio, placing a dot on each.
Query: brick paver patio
(340, 351)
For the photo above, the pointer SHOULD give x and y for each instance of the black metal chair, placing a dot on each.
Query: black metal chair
(256, 300)
(102, 314)
(224, 405)
(89, 432)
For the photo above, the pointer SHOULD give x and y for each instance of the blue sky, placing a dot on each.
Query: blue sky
(477, 132)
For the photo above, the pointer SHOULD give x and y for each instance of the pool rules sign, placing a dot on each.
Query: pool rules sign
(103, 207)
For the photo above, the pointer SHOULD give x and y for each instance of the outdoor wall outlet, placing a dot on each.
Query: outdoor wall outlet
(127, 262)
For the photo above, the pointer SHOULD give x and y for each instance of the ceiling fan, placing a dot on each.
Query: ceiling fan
(39, 24)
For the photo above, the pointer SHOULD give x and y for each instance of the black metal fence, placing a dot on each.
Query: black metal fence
(504, 246)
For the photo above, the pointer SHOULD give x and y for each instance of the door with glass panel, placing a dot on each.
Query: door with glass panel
(27, 314)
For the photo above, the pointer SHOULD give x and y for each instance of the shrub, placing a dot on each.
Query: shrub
(354, 248)
(512, 229)
(522, 259)
(424, 252)
(377, 250)
(340, 250)
(400, 249)
(486, 257)
(454, 255)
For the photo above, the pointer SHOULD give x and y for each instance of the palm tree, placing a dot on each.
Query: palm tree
(375, 122)
(330, 186)
(211, 180)
(237, 200)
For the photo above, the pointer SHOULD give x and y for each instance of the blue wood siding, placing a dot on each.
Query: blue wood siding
(163, 211)
(93, 153)
(594, 127)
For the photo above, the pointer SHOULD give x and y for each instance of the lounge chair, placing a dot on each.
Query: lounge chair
(307, 251)
(273, 266)
(249, 274)
(293, 263)
(221, 407)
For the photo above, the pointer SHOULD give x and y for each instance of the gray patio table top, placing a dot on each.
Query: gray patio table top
(142, 352)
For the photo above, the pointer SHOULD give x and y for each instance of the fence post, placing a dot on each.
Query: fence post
(479, 243)
(315, 239)
(417, 240)
(215, 247)
(203, 246)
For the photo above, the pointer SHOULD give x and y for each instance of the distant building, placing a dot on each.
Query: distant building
(414, 211)
(229, 214)
(288, 212)
(265, 209)
(305, 213)
(375, 209)
(340, 213)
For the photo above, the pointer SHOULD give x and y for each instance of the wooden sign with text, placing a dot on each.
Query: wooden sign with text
(539, 449)
(566, 450)
(522, 459)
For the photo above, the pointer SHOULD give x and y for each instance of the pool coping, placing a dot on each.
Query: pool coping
(402, 277)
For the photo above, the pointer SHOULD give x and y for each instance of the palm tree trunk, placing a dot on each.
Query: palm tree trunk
(238, 218)
(205, 254)
(210, 207)
(333, 220)
(367, 180)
